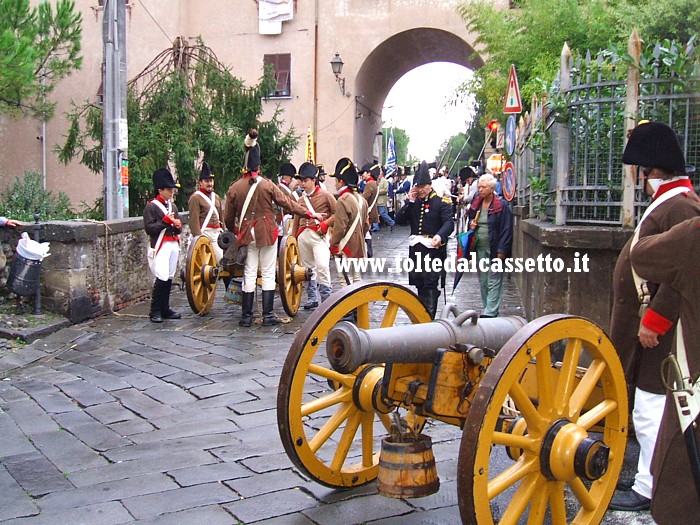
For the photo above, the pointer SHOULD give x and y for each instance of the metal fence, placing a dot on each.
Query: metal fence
(569, 149)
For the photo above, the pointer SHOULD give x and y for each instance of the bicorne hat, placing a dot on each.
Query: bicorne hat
(654, 145)
(162, 178)
(205, 172)
(372, 168)
(307, 171)
(345, 171)
(288, 170)
(422, 175)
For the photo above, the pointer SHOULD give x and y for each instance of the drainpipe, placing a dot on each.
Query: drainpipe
(315, 126)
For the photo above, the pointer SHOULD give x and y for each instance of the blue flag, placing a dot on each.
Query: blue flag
(391, 155)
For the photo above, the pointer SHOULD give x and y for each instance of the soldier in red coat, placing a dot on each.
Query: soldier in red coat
(250, 213)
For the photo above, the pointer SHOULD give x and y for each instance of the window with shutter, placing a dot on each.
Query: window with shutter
(282, 66)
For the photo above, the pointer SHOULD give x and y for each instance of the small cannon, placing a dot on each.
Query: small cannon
(543, 437)
(202, 273)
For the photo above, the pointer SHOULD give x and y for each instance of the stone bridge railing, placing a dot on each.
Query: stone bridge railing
(94, 267)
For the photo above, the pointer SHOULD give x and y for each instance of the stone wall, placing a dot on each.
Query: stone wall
(588, 294)
(93, 267)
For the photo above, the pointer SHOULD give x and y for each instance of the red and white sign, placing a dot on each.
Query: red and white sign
(495, 163)
(513, 102)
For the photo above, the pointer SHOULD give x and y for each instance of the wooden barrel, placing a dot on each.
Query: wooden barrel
(407, 468)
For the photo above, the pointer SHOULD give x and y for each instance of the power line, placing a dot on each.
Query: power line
(156, 22)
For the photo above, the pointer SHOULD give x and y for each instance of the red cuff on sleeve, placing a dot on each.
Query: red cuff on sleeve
(167, 219)
(323, 227)
(656, 322)
(335, 250)
(309, 215)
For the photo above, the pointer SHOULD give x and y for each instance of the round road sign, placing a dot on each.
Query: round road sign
(508, 181)
(510, 135)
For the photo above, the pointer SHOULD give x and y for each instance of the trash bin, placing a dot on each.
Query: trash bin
(26, 265)
(24, 275)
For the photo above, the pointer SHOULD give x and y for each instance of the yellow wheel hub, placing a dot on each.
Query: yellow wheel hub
(568, 453)
(331, 424)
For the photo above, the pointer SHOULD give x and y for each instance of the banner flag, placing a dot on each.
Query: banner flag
(391, 155)
(310, 148)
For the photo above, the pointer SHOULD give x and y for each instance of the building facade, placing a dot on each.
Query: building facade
(378, 41)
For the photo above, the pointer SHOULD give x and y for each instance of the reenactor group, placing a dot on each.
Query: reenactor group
(327, 222)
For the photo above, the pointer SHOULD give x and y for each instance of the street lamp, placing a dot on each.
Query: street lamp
(337, 67)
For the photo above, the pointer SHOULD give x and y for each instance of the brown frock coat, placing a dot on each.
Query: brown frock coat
(370, 194)
(345, 212)
(260, 217)
(672, 258)
(642, 364)
(199, 209)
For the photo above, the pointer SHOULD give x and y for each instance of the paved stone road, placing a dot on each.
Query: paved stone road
(118, 420)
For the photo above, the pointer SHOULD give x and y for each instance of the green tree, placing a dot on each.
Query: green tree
(178, 114)
(401, 141)
(532, 35)
(38, 48)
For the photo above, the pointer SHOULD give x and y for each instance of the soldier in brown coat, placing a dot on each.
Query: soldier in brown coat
(348, 238)
(206, 217)
(312, 236)
(250, 214)
(370, 174)
(644, 341)
(672, 258)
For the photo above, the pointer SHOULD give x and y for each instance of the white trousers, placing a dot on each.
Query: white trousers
(213, 235)
(646, 415)
(265, 258)
(314, 254)
(164, 264)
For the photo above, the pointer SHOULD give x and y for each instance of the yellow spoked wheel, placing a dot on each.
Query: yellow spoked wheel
(331, 424)
(290, 275)
(201, 274)
(567, 446)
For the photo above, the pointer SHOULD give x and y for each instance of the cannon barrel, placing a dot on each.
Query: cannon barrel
(348, 347)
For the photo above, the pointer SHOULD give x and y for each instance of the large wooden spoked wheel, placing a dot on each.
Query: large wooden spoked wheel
(290, 275)
(201, 274)
(331, 424)
(560, 459)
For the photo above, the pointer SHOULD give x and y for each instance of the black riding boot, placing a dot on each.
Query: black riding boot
(268, 299)
(166, 312)
(156, 314)
(247, 309)
(429, 298)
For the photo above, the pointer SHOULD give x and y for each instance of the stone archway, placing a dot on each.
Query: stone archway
(387, 63)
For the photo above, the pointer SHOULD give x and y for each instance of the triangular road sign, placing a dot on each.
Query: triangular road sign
(513, 102)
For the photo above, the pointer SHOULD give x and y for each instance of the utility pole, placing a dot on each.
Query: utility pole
(115, 130)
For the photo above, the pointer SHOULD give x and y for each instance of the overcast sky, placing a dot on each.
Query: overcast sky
(417, 103)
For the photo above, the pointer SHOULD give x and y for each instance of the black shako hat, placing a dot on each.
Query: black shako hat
(654, 145)
(345, 171)
(162, 178)
(307, 171)
(321, 170)
(205, 173)
(422, 175)
(288, 170)
(372, 168)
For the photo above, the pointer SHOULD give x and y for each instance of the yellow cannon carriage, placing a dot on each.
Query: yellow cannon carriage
(542, 405)
(202, 273)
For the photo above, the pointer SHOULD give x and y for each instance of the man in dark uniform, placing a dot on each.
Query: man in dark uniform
(431, 224)
(643, 332)
(163, 225)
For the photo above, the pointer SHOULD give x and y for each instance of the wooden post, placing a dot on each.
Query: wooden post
(562, 141)
(634, 48)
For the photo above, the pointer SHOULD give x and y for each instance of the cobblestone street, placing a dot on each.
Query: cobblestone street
(119, 420)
